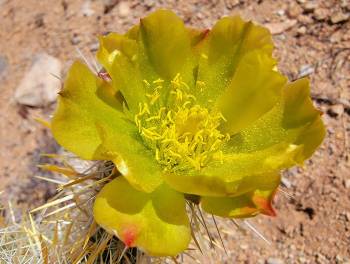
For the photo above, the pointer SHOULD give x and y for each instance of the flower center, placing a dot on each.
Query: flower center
(183, 134)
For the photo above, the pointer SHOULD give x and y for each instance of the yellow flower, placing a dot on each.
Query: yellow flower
(185, 113)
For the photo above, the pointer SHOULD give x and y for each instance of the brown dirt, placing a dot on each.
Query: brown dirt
(314, 227)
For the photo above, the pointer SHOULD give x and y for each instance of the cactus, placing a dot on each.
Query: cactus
(202, 116)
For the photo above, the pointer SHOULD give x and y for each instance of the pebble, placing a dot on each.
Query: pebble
(337, 110)
(310, 6)
(320, 258)
(306, 70)
(278, 28)
(347, 215)
(286, 182)
(86, 9)
(345, 4)
(281, 12)
(244, 246)
(274, 261)
(302, 30)
(3, 64)
(339, 17)
(321, 14)
(294, 10)
(94, 46)
(75, 39)
(39, 86)
(305, 19)
(230, 4)
(336, 37)
(149, 3)
(347, 184)
(123, 9)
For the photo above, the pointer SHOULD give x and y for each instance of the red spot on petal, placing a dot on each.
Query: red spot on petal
(265, 204)
(129, 235)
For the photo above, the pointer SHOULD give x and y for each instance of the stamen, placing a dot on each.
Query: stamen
(183, 134)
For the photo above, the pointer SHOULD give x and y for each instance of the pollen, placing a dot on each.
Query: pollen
(183, 134)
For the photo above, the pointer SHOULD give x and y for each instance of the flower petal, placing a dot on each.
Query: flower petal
(293, 120)
(229, 40)
(118, 55)
(134, 161)
(246, 205)
(301, 115)
(85, 100)
(156, 223)
(237, 174)
(111, 45)
(166, 43)
(253, 91)
(285, 136)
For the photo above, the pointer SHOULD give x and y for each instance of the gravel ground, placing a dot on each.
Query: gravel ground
(312, 38)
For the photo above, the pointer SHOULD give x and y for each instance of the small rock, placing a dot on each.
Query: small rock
(294, 10)
(302, 30)
(286, 182)
(345, 4)
(336, 37)
(3, 64)
(347, 215)
(345, 102)
(244, 246)
(149, 3)
(321, 14)
(320, 258)
(75, 39)
(305, 19)
(302, 259)
(278, 28)
(281, 12)
(336, 110)
(310, 6)
(347, 184)
(86, 9)
(230, 4)
(39, 20)
(39, 86)
(109, 5)
(94, 46)
(123, 9)
(306, 70)
(339, 17)
(274, 261)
